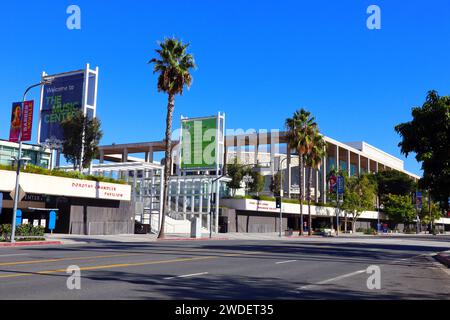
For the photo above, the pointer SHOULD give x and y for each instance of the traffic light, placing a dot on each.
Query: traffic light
(278, 202)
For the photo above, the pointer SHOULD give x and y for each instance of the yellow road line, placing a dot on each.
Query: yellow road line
(15, 263)
(124, 265)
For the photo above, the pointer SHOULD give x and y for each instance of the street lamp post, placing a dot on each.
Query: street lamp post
(247, 180)
(281, 196)
(19, 159)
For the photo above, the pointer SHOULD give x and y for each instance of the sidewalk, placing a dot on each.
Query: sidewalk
(272, 236)
(146, 238)
(444, 258)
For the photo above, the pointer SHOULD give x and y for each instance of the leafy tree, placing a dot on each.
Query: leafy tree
(236, 173)
(300, 131)
(394, 182)
(359, 196)
(81, 139)
(424, 214)
(257, 185)
(275, 186)
(400, 209)
(428, 136)
(173, 65)
(314, 160)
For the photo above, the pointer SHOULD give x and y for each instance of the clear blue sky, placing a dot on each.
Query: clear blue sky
(258, 61)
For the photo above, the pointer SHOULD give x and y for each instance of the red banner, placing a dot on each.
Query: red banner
(27, 120)
(21, 119)
(16, 122)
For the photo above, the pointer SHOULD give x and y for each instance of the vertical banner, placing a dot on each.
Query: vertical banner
(16, 122)
(61, 99)
(21, 119)
(27, 121)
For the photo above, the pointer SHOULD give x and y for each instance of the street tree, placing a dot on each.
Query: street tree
(359, 196)
(428, 136)
(314, 160)
(275, 184)
(400, 209)
(81, 139)
(300, 131)
(236, 173)
(258, 181)
(173, 64)
(394, 182)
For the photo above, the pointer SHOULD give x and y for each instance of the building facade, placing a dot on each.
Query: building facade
(37, 155)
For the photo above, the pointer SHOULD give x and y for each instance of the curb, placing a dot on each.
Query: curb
(444, 258)
(30, 243)
(191, 239)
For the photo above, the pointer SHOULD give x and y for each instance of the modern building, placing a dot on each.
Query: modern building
(37, 155)
(193, 195)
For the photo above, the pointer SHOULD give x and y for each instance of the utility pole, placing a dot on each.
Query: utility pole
(19, 158)
(429, 210)
(280, 170)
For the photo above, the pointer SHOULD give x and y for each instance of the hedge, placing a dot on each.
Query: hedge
(23, 230)
(61, 173)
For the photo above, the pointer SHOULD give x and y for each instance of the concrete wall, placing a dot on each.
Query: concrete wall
(252, 222)
(102, 220)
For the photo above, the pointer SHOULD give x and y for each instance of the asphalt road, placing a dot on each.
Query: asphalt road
(311, 268)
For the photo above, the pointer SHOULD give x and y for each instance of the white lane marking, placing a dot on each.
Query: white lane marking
(187, 275)
(347, 275)
(288, 261)
(12, 255)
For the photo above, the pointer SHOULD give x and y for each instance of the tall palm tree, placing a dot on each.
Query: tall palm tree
(300, 131)
(173, 65)
(314, 160)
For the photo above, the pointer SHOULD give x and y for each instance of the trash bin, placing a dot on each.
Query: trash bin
(223, 224)
(196, 228)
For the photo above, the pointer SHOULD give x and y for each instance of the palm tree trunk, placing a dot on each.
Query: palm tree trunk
(300, 184)
(309, 202)
(168, 162)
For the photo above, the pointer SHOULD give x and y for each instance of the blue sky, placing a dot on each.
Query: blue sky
(258, 61)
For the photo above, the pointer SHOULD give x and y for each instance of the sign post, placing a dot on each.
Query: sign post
(52, 221)
(418, 207)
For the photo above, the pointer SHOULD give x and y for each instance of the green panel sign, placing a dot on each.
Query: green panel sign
(199, 143)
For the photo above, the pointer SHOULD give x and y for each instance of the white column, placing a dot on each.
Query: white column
(217, 206)
(274, 148)
(368, 165)
(337, 158)
(349, 159)
(304, 183)
(359, 165)
(256, 152)
(316, 192)
(324, 180)
(125, 155)
(289, 174)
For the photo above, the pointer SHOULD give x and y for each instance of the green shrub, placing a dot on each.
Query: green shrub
(370, 231)
(5, 231)
(23, 230)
